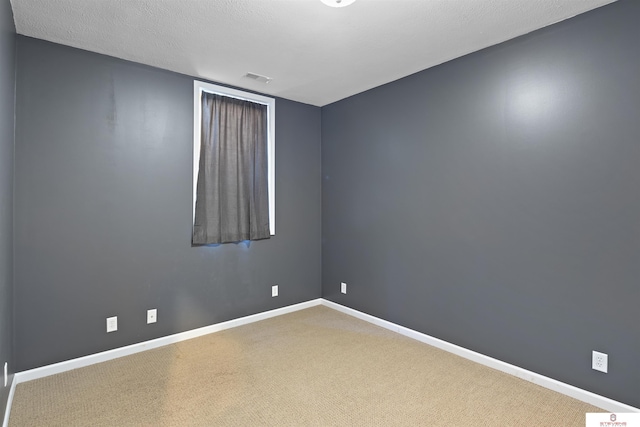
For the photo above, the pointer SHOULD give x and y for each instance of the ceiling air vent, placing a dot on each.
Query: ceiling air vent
(258, 77)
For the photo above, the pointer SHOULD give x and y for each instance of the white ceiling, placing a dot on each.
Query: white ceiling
(315, 54)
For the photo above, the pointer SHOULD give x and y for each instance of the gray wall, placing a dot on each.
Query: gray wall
(493, 201)
(103, 210)
(7, 114)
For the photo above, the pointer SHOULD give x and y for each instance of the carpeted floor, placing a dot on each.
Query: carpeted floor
(315, 367)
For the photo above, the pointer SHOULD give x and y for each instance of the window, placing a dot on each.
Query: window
(233, 98)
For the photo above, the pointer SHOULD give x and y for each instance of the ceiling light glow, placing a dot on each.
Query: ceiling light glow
(337, 3)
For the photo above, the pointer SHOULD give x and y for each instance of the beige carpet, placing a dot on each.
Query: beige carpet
(315, 367)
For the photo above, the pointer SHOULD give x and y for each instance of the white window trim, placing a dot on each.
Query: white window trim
(198, 88)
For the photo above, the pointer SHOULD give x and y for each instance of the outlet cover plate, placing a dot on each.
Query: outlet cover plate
(6, 373)
(274, 291)
(600, 361)
(343, 288)
(152, 315)
(112, 324)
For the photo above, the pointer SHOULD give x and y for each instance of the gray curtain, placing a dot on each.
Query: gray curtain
(232, 199)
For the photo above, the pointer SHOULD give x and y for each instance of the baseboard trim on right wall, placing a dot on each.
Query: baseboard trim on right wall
(546, 382)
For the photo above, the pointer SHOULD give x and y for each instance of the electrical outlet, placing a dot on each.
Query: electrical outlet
(274, 291)
(152, 315)
(343, 288)
(600, 361)
(112, 324)
(6, 373)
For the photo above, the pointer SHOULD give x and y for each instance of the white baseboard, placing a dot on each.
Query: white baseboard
(546, 382)
(91, 359)
(566, 389)
(7, 411)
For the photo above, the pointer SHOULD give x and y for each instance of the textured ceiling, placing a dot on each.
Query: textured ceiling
(314, 53)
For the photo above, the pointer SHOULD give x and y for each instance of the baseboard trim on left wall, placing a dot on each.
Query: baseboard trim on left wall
(7, 410)
(80, 362)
